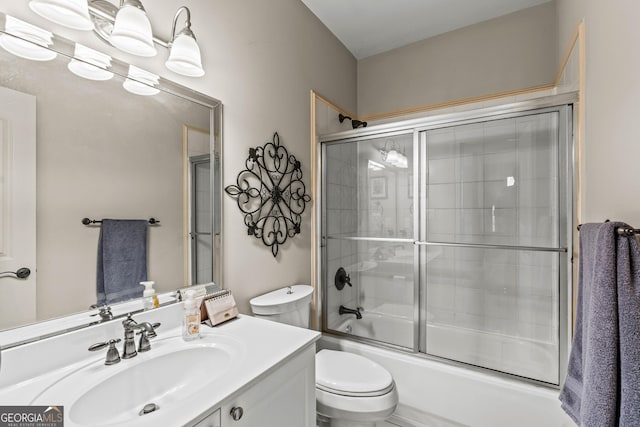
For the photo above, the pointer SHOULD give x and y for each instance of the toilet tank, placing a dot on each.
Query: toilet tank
(290, 305)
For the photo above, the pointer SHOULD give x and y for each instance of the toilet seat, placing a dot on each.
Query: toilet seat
(352, 394)
(352, 387)
(363, 409)
(349, 374)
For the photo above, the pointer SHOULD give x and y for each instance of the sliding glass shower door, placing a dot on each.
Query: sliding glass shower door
(454, 235)
(493, 242)
(369, 235)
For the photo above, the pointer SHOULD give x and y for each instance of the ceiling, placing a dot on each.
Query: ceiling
(369, 27)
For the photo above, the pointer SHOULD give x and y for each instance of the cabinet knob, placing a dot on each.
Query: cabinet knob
(237, 412)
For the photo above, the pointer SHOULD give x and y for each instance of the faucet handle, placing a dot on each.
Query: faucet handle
(150, 334)
(144, 344)
(342, 278)
(104, 312)
(113, 356)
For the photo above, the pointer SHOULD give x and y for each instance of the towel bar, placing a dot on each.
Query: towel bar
(87, 221)
(622, 231)
(628, 232)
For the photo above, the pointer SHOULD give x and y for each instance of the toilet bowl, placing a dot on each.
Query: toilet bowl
(351, 390)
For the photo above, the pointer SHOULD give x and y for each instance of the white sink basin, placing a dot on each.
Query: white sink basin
(170, 373)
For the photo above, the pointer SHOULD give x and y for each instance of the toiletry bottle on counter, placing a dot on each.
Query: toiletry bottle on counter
(149, 297)
(191, 321)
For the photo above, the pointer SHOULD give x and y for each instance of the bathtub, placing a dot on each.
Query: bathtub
(436, 394)
(392, 329)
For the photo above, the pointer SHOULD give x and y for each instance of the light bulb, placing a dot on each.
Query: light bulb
(69, 13)
(132, 30)
(26, 40)
(184, 57)
(392, 157)
(141, 82)
(90, 64)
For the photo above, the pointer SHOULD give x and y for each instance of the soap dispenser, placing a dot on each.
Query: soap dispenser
(191, 319)
(149, 297)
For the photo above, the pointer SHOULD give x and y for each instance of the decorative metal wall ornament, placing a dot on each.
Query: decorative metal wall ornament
(270, 193)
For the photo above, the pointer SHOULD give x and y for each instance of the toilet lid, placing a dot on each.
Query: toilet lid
(350, 374)
(282, 300)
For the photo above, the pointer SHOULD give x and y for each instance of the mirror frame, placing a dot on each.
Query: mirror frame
(28, 333)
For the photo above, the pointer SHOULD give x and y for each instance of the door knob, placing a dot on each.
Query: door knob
(237, 412)
(21, 273)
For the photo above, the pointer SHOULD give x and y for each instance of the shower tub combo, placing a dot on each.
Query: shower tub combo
(444, 258)
(434, 394)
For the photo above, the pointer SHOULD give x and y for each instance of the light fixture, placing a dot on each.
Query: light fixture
(90, 64)
(26, 40)
(184, 57)
(127, 28)
(141, 82)
(391, 154)
(392, 157)
(132, 30)
(70, 13)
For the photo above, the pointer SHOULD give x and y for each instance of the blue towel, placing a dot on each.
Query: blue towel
(122, 260)
(603, 375)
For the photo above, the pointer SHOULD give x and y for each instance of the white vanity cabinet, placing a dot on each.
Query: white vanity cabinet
(246, 372)
(212, 420)
(283, 397)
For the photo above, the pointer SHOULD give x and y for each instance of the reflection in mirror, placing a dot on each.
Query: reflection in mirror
(72, 148)
(202, 230)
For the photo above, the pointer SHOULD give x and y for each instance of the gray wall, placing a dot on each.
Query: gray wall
(511, 52)
(611, 151)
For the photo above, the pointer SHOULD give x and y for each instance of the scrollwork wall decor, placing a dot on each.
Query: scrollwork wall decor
(270, 193)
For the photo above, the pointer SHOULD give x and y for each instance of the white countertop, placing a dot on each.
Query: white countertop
(261, 346)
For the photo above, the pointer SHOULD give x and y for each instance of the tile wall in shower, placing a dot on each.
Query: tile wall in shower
(341, 221)
(494, 183)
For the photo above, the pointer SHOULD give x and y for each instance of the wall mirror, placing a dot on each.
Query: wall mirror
(100, 151)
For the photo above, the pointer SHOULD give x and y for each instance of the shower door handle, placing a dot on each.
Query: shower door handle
(194, 234)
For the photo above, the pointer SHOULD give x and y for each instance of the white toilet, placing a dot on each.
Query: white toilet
(351, 390)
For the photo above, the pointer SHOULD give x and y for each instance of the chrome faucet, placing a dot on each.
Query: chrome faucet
(104, 312)
(147, 330)
(344, 310)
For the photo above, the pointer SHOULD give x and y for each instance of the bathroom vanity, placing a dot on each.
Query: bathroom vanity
(280, 398)
(246, 372)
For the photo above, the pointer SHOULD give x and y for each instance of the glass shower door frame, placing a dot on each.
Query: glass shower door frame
(325, 276)
(566, 184)
(566, 211)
